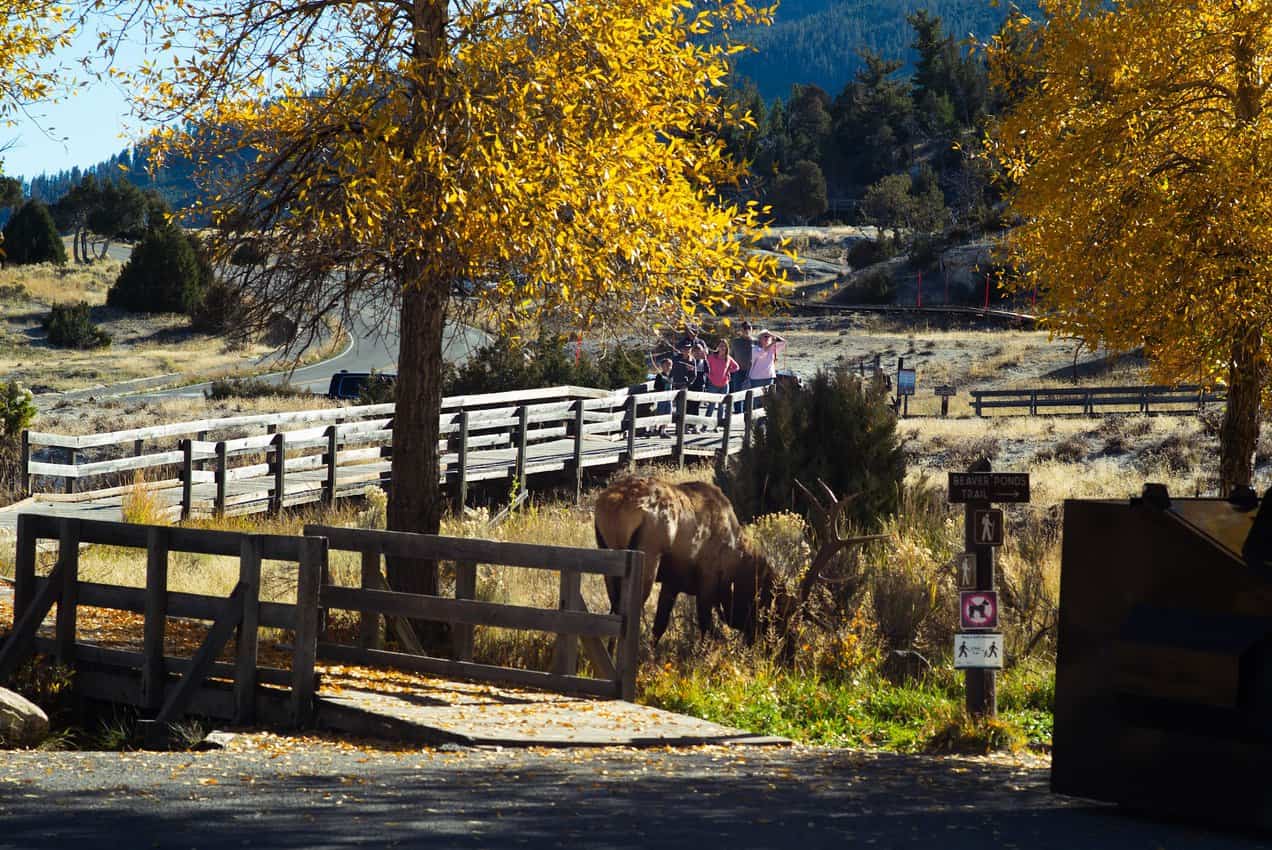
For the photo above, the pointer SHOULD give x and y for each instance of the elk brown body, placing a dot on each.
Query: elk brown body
(693, 544)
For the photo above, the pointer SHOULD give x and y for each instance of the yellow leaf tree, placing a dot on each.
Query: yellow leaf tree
(541, 158)
(29, 31)
(1138, 144)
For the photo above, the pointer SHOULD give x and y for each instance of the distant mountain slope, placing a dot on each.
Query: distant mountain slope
(817, 41)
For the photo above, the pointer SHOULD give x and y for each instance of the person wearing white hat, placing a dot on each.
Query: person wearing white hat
(768, 346)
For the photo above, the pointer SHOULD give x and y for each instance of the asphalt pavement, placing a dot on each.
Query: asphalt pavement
(327, 795)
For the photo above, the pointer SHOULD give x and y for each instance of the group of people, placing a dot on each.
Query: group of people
(730, 366)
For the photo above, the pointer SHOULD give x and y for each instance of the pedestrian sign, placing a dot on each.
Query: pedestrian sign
(978, 651)
(967, 571)
(987, 527)
(978, 609)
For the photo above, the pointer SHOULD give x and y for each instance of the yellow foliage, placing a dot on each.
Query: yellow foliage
(562, 155)
(1136, 145)
(29, 31)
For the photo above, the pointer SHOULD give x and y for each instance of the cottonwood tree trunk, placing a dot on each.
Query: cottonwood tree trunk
(1240, 430)
(416, 503)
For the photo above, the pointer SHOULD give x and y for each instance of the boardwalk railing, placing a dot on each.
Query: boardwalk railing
(165, 687)
(314, 455)
(161, 685)
(612, 676)
(1090, 400)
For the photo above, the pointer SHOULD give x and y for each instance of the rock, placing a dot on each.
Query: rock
(214, 741)
(22, 722)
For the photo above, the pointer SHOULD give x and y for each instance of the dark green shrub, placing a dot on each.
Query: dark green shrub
(837, 428)
(220, 312)
(31, 237)
(505, 365)
(71, 326)
(164, 275)
(248, 388)
(377, 390)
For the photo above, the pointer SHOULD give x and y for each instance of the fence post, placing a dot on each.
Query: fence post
(465, 588)
(280, 470)
(629, 643)
(976, 402)
(187, 478)
(138, 445)
(682, 405)
(153, 673)
(578, 451)
(248, 629)
(24, 566)
(748, 416)
(68, 560)
(26, 461)
(333, 439)
(313, 559)
(728, 428)
(370, 636)
(565, 653)
(69, 484)
(631, 432)
(461, 485)
(221, 470)
(523, 422)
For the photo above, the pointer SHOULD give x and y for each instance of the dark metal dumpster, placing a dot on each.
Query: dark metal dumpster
(1164, 662)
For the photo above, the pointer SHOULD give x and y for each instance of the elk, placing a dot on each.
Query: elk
(693, 544)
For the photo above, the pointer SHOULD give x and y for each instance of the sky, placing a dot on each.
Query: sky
(83, 129)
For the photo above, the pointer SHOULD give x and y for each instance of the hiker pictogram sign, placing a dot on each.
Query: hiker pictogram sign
(987, 525)
(978, 651)
(978, 609)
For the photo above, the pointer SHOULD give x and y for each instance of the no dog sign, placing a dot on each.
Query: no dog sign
(978, 609)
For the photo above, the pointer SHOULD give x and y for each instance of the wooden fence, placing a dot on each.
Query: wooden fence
(613, 676)
(146, 679)
(314, 455)
(167, 687)
(1089, 400)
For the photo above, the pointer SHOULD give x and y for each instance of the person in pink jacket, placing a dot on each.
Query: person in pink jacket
(720, 368)
(764, 358)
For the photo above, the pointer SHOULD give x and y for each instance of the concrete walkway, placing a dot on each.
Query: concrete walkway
(440, 711)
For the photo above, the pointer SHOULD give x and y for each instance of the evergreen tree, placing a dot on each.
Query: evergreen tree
(31, 237)
(799, 196)
(836, 428)
(163, 275)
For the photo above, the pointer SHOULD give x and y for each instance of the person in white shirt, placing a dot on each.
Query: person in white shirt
(764, 358)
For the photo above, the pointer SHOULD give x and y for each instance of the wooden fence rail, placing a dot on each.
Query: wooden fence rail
(165, 687)
(146, 679)
(321, 455)
(613, 676)
(1089, 400)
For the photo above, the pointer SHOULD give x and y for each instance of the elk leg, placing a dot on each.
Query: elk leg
(666, 600)
(706, 616)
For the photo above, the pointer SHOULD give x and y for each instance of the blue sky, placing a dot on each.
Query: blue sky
(82, 129)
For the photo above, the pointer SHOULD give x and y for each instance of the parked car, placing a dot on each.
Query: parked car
(349, 385)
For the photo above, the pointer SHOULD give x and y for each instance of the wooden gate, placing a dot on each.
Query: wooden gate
(164, 686)
(574, 625)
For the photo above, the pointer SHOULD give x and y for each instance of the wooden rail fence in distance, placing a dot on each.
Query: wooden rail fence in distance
(1089, 400)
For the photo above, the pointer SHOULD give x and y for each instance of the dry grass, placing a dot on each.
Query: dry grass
(48, 284)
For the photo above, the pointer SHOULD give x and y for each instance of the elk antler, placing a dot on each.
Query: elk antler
(832, 540)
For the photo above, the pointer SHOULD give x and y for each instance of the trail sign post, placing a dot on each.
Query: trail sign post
(976, 653)
(945, 392)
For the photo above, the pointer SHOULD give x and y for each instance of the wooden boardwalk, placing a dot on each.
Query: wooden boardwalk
(313, 456)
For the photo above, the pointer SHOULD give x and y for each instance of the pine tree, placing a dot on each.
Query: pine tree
(31, 237)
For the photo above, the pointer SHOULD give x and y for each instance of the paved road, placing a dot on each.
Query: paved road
(324, 796)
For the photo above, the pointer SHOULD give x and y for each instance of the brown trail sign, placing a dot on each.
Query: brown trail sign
(983, 531)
